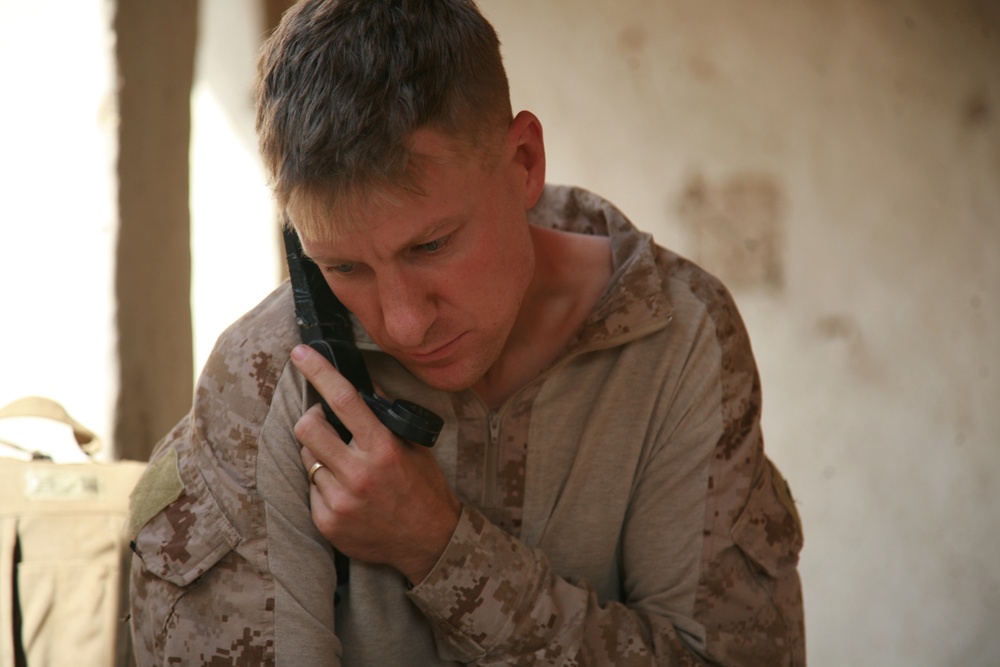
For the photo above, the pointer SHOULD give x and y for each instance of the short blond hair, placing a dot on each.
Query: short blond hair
(342, 84)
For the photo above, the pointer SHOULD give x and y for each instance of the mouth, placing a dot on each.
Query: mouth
(437, 354)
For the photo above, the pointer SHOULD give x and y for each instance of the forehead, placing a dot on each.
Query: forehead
(443, 175)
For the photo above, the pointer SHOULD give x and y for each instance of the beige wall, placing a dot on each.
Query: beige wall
(94, 240)
(235, 254)
(59, 219)
(838, 163)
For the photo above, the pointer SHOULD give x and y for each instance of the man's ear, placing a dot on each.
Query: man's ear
(524, 136)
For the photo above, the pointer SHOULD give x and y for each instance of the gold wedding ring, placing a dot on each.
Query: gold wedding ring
(312, 471)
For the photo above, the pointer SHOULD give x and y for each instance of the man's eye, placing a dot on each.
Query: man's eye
(342, 269)
(432, 246)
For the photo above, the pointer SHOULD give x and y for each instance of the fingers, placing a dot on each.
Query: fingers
(313, 469)
(324, 494)
(317, 471)
(342, 397)
(316, 433)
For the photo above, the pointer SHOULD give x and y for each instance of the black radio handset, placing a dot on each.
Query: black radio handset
(325, 325)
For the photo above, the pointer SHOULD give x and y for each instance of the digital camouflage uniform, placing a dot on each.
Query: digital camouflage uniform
(618, 510)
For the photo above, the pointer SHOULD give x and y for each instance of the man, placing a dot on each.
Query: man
(599, 494)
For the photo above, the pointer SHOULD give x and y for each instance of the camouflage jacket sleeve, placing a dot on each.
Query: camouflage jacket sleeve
(228, 568)
(494, 600)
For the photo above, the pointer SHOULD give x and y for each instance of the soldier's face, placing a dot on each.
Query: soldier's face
(437, 278)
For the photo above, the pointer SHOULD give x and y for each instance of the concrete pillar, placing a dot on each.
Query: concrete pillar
(155, 52)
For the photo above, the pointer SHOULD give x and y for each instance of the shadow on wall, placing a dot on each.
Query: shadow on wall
(737, 228)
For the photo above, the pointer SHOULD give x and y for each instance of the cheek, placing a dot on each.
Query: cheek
(509, 254)
(499, 286)
(364, 305)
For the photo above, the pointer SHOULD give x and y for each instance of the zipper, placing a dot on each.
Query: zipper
(491, 457)
(491, 461)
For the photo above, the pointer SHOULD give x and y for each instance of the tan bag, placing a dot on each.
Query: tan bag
(63, 554)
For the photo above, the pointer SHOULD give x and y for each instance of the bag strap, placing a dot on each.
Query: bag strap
(46, 408)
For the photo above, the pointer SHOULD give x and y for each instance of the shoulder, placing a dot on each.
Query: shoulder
(699, 298)
(269, 324)
(238, 387)
(251, 353)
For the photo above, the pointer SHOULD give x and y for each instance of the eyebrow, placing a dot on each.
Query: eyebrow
(428, 234)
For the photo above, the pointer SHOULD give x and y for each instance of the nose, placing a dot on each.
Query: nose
(408, 309)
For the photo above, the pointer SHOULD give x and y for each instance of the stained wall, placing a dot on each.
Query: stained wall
(838, 164)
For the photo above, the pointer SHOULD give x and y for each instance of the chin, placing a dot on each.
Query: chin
(451, 378)
(444, 381)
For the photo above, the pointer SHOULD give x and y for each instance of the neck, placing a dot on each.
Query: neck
(570, 275)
